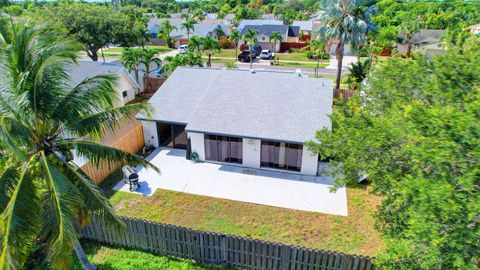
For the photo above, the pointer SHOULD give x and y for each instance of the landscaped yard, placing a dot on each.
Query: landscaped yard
(117, 50)
(105, 257)
(352, 234)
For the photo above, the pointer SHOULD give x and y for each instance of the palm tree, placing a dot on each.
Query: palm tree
(195, 44)
(251, 37)
(189, 26)
(358, 72)
(235, 37)
(210, 46)
(131, 60)
(44, 195)
(347, 21)
(188, 59)
(165, 29)
(219, 32)
(409, 26)
(318, 46)
(147, 58)
(275, 37)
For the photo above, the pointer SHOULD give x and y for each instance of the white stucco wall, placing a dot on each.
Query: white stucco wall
(251, 152)
(150, 134)
(124, 84)
(197, 143)
(309, 162)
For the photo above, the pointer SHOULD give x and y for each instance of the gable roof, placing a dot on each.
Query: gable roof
(280, 106)
(88, 69)
(267, 30)
(153, 24)
(423, 37)
(200, 29)
(244, 23)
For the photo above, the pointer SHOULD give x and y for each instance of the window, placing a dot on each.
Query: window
(124, 93)
(223, 148)
(281, 155)
(170, 135)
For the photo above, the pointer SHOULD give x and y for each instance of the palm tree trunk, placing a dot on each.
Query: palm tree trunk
(236, 50)
(339, 56)
(318, 65)
(83, 258)
(251, 60)
(409, 46)
(209, 64)
(103, 56)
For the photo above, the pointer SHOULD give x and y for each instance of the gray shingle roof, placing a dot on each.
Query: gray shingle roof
(304, 25)
(87, 69)
(267, 30)
(244, 23)
(424, 37)
(265, 104)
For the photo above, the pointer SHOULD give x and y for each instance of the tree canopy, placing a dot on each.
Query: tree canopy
(415, 134)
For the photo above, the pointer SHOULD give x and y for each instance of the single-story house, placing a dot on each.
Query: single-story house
(306, 28)
(426, 41)
(244, 23)
(126, 87)
(290, 34)
(217, 115)
(154, 24)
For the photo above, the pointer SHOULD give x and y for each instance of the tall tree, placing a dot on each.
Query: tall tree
(44, 195)
(409, 26)
(165, 29)
(348, 22)
(418, 147)
(188, 59)
(251, 37)
(131, 60)
(275, 37)
(235, 37)
(210, 46)
(189, 26)
(318, 46)
(96, 27)
(148, 58)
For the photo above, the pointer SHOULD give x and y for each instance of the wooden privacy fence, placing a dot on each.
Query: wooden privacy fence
(130, 140)
(220, 249)
(343, 94)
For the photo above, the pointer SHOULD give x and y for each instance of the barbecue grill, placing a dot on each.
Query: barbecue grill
(131, 177)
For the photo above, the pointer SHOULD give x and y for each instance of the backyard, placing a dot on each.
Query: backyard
(117, 51)
(351, 234)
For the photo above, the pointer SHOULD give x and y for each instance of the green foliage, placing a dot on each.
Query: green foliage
(164, 32)
(415, 133)
(44, 196)
(97, 27)
(187, 59)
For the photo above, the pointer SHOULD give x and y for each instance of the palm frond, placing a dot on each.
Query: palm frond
(19, 220)
(100, 154)
(59, 213)
(8, 181)
(96, 124)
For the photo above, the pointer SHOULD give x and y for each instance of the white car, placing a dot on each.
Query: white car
(266, 54)
(183, 49)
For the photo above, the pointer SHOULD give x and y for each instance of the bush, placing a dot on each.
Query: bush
(225, 43)
(194, 157)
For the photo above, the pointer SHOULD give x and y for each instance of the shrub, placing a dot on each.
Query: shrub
(225, 43)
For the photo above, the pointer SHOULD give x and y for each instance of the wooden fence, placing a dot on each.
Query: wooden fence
(151, 84)
(343, 94)
(220, 249)
(131, 141)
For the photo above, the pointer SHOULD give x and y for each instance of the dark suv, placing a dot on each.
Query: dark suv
(245, 56)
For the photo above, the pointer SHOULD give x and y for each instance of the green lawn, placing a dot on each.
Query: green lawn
(106, 258)
(301, 65)
(352, 234)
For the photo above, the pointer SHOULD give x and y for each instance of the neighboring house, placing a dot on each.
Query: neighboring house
(244, 23)
(425, 41)
(306, 29)
(179, 35)
(290, 34)
(202, 30)
(217, 115)
(229, 18)
(126, 86)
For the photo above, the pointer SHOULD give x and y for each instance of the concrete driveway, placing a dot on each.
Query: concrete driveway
(273, 188)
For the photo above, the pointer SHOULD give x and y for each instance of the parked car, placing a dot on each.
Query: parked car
(182, 49)
(266, 54)
(257, 49)
(245, 56)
